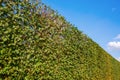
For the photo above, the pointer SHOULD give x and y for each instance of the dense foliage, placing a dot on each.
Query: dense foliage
(38, 43)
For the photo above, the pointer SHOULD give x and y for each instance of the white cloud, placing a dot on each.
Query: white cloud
(118, 36)
(114, 45)
(118, 59)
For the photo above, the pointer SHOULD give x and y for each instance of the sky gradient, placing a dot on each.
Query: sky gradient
(99, 19)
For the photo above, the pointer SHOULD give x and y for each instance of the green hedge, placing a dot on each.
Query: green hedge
(38, 43)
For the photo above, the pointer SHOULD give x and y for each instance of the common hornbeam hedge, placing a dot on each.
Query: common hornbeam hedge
(36, 43)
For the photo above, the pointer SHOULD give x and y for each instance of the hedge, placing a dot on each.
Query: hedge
(37, 43)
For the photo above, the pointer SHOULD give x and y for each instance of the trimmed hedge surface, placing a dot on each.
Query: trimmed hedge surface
(36, 43)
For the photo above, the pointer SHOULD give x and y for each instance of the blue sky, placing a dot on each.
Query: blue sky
(99, 19)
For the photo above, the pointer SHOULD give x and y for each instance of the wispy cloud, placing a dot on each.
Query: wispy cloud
(114, 45)
(118, 59)
(118, 36)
